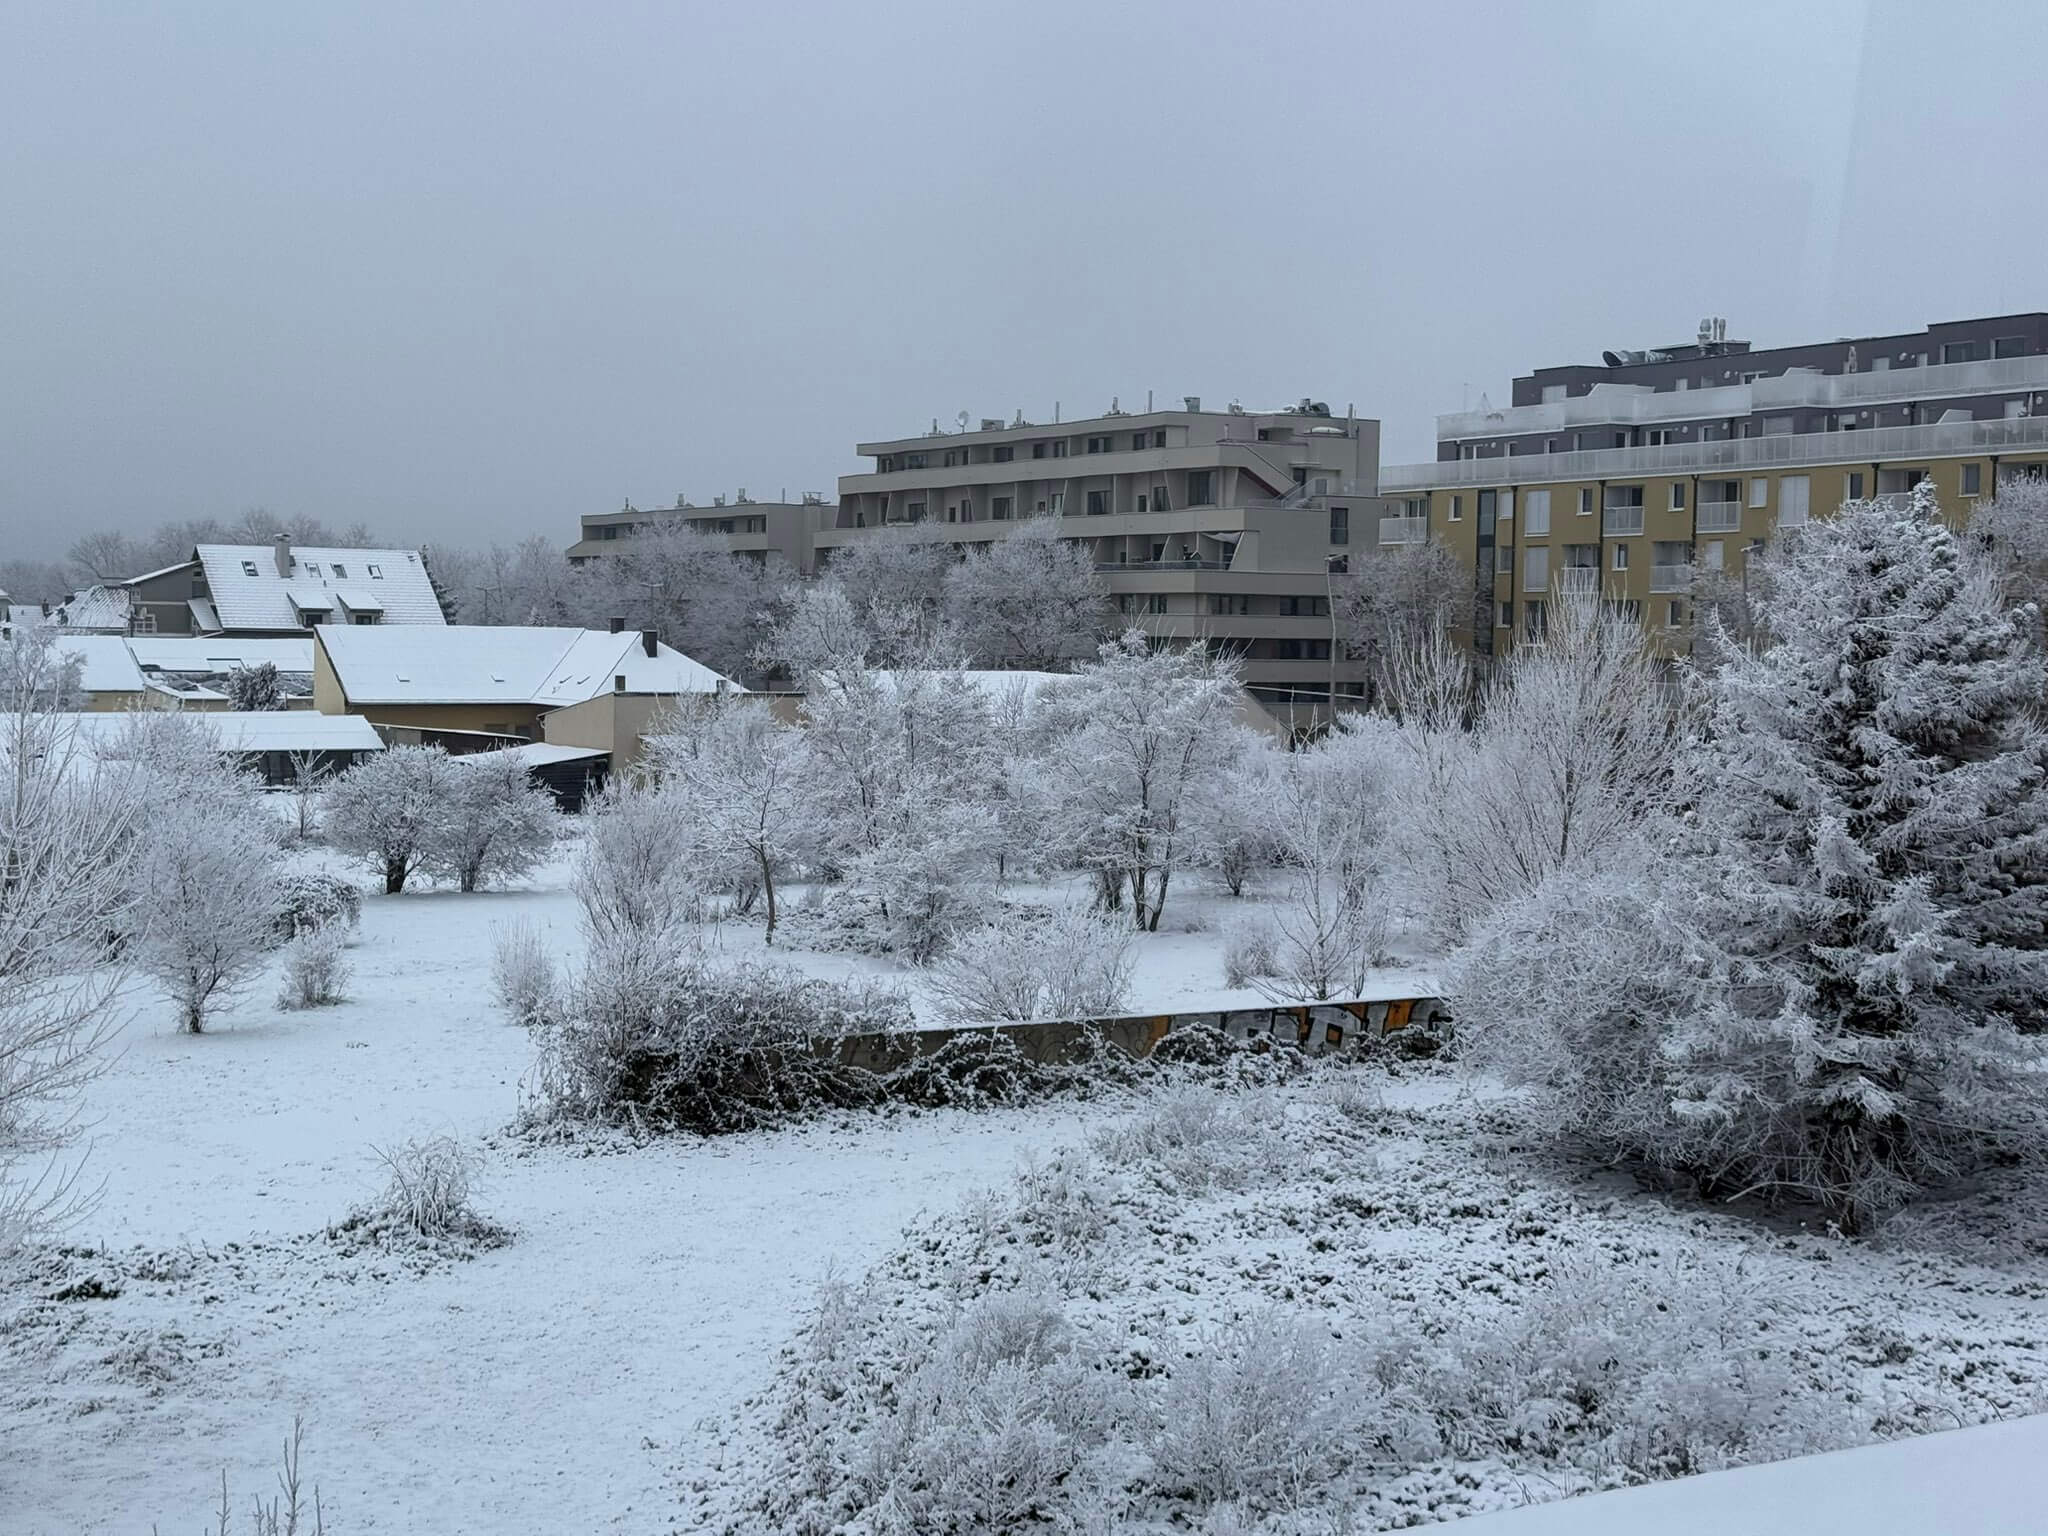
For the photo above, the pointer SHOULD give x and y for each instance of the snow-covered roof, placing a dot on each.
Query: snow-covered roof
(502, 664)
(109, 666)
(539, 754)
(129, 581)
(91, 608)
(221, 653)
(284, 730)
(248, 592)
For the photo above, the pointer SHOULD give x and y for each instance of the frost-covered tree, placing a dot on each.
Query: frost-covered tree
(894, 580)
(68, 826)
(1149, 728)
(2009, 531)
(492, 822)
(254, 688)
(1571, 751)
(1826, 987)
(1328, 809)
(737, 776)
(209, 867)
(1031, 599)
(687, 587)
(384, 809)
(1391, 601)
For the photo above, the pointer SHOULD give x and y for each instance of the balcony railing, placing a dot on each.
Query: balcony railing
(1619, 522)
(1404, 530)
(1720, 516)
(1670, 578)
(1110, 567)
(1956, 439)
(1578, 580)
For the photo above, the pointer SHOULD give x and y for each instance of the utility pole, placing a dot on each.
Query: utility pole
(1331, 565)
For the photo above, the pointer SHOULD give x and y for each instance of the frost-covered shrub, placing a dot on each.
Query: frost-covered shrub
(316, 969)
(208, 867)
(1072, 963)
(313, 899)
(1190, 1139)
(523, 975)
(426, 1200)
(1249, 953)
(633, 878)
(1265, 1406)
(663, 1039)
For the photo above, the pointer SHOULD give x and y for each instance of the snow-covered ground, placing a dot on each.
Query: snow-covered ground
(614, 1365)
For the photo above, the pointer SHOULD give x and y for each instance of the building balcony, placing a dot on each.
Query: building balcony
(1578, 581)
(1620, 522)
(1720, 516)
(1112, 567)
(1671, 578)
(1404, 530)
(1956, 439)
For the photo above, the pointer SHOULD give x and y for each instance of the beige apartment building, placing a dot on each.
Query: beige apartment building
(1641, 478)
(782, 531)
(1220, 525)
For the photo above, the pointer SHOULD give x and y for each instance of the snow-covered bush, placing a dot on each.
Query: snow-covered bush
(1193, 1139)
(658, 1037)
(490, 822)
(633, 879)
(254, 688)
(523, 977)
(208, 873)
(309, 899)
(1830, 991)
(69, 826)
(428, 1199)
(1264, 1406)
(1250, 952)
(384, 809)
(1031, 599)
(1070, 964)
(316, 969)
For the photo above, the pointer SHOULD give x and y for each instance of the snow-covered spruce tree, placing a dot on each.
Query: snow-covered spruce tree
(67, 844)
(1152, 727)
(493, 822)
(1823, 983)
(737, 775)
(254, 688)
(1873, 790)
(384, 809)
(1031, 599)
(208, 872)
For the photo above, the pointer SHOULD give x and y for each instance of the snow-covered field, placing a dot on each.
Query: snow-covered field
(622, 1363)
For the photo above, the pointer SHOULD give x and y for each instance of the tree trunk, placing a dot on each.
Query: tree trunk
(469, 876)
(394, 876)
(768, 890)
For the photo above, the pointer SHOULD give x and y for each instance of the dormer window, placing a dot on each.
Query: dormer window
(340, 571)
(248, 567)
(376, 573)
(312, 567)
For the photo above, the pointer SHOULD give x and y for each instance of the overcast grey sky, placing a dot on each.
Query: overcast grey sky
(467, 271)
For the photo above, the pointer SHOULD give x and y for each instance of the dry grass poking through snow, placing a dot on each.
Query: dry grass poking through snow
(1296, 1308)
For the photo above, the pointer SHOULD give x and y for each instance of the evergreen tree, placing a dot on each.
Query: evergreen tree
(1874, 814)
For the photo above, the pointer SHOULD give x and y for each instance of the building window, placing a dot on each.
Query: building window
(1098, 445)
(1586, 501)
(1098, 503)
(999, 508)
(365, 618)
(952, 459)
(1141, 503)
(1159, 437)
(1159, 500)
(1507, 615)
(145, 621)
(1059, 503)
(248, 567)
(2009, 346)
(1792, 498)
(1156, 603)
(1140, 440)
(1962, 351)
(1621, 557)
(1760, 492)
(1973, 479)
(914, 460)
(1340, 524)
(1535, 513)
(341, 571)
(1201, 487)
(1039, 450)
(376, 573)
(1059, 448)
(916, 511)
(1504, 559)
(1533, 617)
(1003, 453)
(1855, 487)
(2015, 409)
(1552, 393)
(1457, 509)
(1536, 569)
(1678, 495)
(1716, 554)
(1677, 613)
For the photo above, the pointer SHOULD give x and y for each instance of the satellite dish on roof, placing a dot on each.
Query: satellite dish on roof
(1610, 359)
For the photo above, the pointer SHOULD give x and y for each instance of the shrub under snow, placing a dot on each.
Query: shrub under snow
(427, 1200)
(523, 974)
(311, 899)
(316, 969)
(1071, 963)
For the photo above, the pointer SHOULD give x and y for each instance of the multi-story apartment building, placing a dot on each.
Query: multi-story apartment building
(1223, 525)
(768, 530)
(1637, 478)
